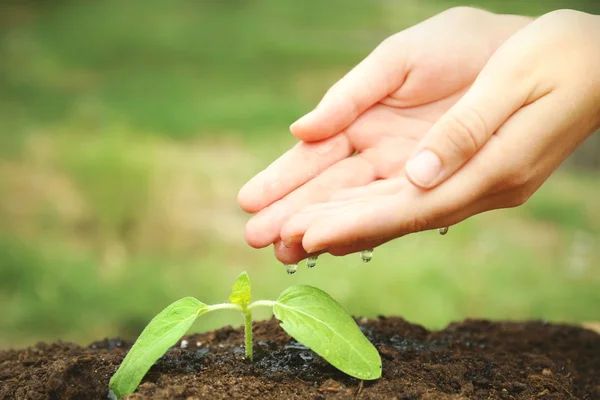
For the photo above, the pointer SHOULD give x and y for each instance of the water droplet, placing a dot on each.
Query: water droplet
(291, 268)
(366, 255)
(311, 262)
(443, 231)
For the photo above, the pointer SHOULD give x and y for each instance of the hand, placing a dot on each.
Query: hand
(534, 102)
(380, 111)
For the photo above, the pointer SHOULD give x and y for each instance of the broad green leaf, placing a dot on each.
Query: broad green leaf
(161, 333)
(241, 291)
(319, 322)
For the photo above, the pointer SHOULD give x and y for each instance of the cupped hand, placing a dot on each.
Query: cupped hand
(532, 105)
(356, 142)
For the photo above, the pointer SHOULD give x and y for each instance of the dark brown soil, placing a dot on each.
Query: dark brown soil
(470, 360)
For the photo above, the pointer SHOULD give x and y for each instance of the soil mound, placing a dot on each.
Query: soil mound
(474, 359)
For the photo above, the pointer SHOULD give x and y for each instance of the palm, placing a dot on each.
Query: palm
(387, 134)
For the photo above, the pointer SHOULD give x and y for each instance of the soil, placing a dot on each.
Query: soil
(473, 359)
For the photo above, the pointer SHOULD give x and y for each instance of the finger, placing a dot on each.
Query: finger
(380, 73)
(296, 253)
(381, 217)
(377, 128)
(533, 143)
(294, 229)
(292, 254)
(294, 168)
(468, 125)
(264, 228)
(381, 160)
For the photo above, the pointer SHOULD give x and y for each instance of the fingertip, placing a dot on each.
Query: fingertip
(245, 200)
(313, 243)
(251, 196)
(303, 121)
(256, 235)
(319, 124)
(307, 129)
(424, 170)
(289, 254)
(291, 232)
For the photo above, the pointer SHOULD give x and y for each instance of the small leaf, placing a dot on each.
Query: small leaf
(160, 334)
(319, 322)
(241, 291)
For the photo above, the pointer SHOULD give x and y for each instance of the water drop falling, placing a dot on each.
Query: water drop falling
(443, 231)
(311, 262)
(291, 268)
(366, 255)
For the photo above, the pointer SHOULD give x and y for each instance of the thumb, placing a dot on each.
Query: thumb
(379, 74)
(465, 128)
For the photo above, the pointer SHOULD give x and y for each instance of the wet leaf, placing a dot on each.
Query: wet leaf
(160, 334)
(241, 291)
(319, 322)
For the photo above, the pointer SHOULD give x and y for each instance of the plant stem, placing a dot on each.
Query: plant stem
(248, 332)
(225, 306)
(262, 303)
(247, 312)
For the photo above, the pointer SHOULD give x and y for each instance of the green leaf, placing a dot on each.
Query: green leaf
(319, 322)
(240, 292)
(161, 333)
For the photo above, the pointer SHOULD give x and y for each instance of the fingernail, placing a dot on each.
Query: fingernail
(314, 249)
(424, 168)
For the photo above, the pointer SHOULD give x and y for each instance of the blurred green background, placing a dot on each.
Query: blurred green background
(127, 128)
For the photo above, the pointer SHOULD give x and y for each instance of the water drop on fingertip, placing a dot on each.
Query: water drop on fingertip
(443, 231)
(311, 262)
(366, 255)
(291, 268)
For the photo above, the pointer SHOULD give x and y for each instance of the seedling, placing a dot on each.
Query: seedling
(308, 314)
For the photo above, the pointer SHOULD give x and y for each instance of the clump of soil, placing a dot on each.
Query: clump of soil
(474, 359)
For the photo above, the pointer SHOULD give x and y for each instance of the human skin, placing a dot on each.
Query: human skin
(464, 113)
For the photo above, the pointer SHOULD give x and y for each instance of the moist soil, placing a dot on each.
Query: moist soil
(474, 359)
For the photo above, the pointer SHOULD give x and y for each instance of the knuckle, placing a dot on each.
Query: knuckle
(514, 185)
(559, 15)
(519, 197)
(389, 42)
(462, 13)
(467, 131)
(516, 178)
(392, 42)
